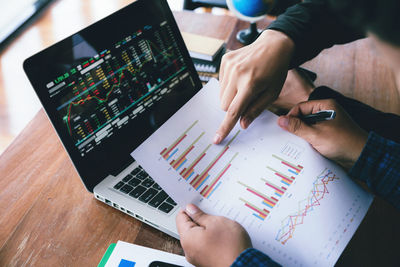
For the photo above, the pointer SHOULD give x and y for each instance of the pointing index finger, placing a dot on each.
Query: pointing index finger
(235, 110)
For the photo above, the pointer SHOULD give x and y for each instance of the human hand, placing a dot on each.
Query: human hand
(297, 88)
(340, 139)
(251, 79)
(210, 240)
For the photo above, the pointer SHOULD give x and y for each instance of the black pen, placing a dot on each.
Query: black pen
(323, 115)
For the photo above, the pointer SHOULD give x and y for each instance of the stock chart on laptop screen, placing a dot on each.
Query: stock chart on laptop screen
(105, 92)
(108, 87)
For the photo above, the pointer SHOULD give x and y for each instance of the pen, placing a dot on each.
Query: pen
(323, 115)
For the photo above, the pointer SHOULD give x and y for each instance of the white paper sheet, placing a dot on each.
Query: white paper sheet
(126, 254)
(298, 207)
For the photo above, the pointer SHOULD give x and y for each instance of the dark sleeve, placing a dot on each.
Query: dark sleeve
(379, 167)
(368, 118)
(313, 27)
(255, 258)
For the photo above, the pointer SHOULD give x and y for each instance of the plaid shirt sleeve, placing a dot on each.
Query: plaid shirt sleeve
(253, 257)
(379, 167)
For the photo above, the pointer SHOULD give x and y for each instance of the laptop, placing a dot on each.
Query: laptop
(106, 89)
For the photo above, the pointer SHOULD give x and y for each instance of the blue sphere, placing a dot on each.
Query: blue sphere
(251, 8)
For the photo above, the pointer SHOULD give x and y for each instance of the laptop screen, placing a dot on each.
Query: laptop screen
(110, 86)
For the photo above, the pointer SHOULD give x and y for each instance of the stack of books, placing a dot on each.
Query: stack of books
(206, 53)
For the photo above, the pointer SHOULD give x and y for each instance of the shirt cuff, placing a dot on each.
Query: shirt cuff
(369, 154)
(253, 257)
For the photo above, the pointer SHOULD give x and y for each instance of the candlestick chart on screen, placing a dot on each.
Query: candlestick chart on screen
(117, 84)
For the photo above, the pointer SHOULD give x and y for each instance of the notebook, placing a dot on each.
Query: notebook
(202, 47)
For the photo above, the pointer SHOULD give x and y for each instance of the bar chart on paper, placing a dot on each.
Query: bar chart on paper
(274, 185)
(298, 207)
(193, 160)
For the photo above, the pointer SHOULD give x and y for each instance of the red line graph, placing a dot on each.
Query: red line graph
(318, 192)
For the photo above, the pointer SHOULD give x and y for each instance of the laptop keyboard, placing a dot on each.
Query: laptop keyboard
(139, 185)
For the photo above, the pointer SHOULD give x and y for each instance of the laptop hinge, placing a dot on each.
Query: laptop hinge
(123, 167)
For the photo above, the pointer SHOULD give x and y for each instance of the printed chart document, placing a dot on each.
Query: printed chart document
(129, 255)
(298, 207)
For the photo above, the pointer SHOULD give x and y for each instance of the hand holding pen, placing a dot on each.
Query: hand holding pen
(328, 128)
(323, 115)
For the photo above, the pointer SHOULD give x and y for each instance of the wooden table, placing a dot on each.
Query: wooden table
(48, 219)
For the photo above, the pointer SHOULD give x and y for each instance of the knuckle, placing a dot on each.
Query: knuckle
(235, 68)
(252, 82)
(240, 68)
(224, 106)
(253, 75)
(296, 125)
(227, 57)
(255, 111)
(233, 112)
(331, 102)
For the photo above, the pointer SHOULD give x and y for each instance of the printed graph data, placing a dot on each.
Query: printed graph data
(270, 194)
(287, 196)
(292, 150)
(307, 205)
(200, 168)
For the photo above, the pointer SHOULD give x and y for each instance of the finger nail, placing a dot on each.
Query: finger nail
(191, 209)
(247, 121)
(217, 139)
(283, 122)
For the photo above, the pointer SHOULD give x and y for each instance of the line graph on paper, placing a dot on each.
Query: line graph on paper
(305, 206)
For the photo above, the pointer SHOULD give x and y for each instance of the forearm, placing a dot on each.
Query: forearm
(379, 167)
(313, 27)
(253, 257)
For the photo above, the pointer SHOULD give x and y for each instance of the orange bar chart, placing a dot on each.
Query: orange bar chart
(259, 213)
(287, 180)
(180, 160)
(279, 191)
(185, 159)
(166, 151)
(209, 189)
(199, 180)
(293, 168)
(188, 172)
(267, 201)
